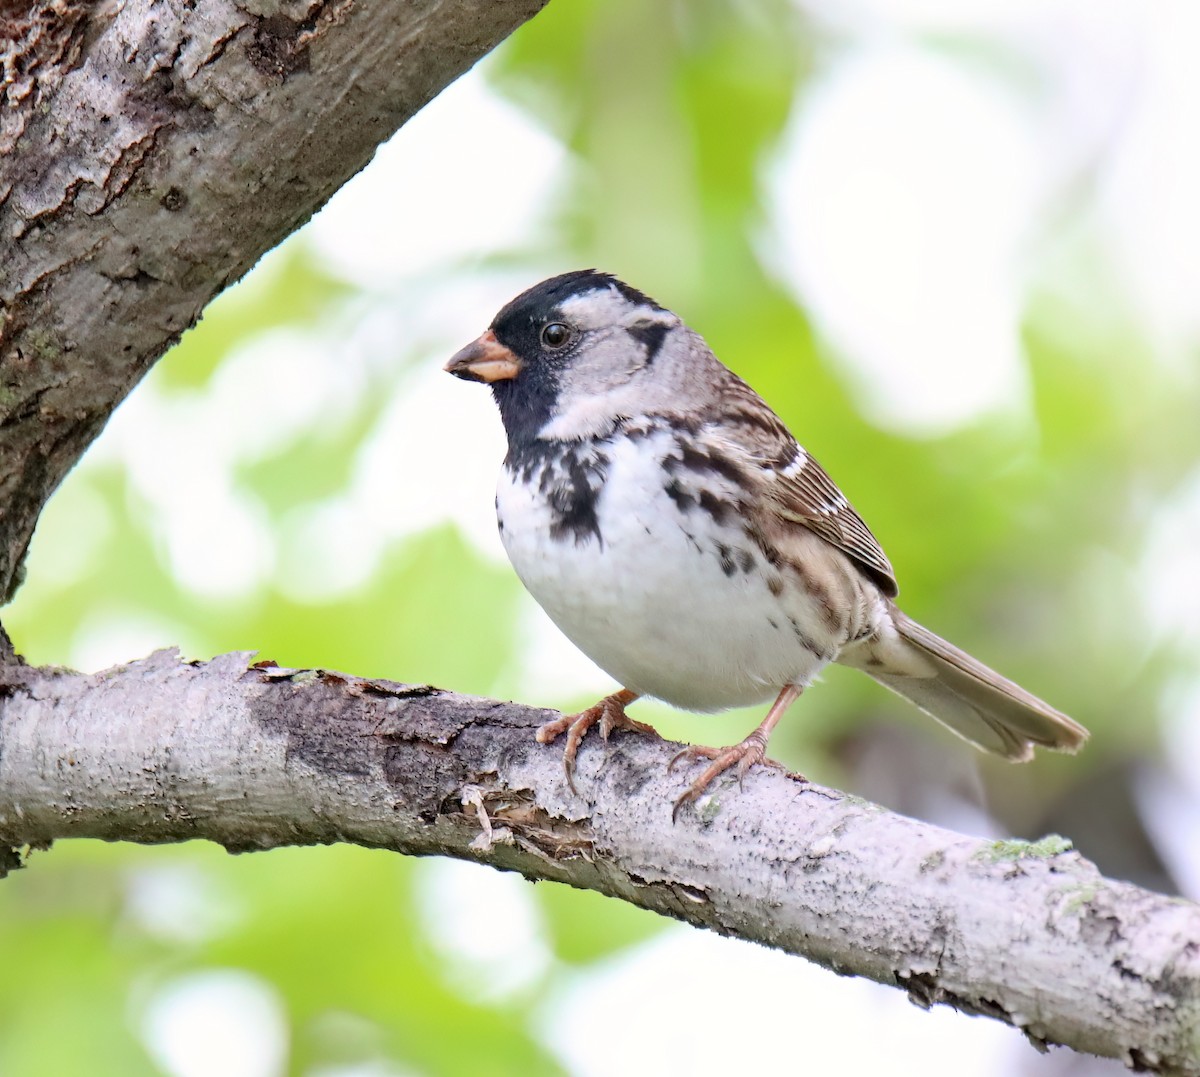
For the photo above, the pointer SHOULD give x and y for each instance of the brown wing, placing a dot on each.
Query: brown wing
(795, 485)
(804, 494)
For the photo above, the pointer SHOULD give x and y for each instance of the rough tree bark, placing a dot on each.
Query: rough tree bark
(150, 151)
(1030, 934)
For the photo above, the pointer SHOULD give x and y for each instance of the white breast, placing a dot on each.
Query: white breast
(652, 599)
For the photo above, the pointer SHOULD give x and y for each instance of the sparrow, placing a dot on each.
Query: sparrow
(669, 523)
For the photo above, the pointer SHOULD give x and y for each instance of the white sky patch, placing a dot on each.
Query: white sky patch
(1168, 797)
(550, 670)
(1149, 198)
(277, 388)
(326, 551)
(109, 637)
(374, 1068)
(467, 176)
(274, 390)
(1170, 566)
(219, 542)
(217, 1023)
(926, 165)
(178, 903)
(902, 195)
(485, 925)
(1180, 709)
(990, 20)
(434, 456)
(1169, 583)
(689, 1002)
(179, 452)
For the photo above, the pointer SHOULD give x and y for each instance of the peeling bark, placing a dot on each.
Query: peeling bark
(254, 757)
(150, 153)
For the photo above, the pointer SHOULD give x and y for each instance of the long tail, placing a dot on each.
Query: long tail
(975, 702)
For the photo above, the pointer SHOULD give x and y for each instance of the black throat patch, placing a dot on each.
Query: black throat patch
(571, 477)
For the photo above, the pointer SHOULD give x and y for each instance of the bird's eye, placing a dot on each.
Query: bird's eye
(555, 335)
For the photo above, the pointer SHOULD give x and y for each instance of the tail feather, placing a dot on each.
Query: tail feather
(975, 702)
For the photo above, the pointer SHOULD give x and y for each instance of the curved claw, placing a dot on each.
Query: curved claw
(614, 719)
(750, 751)
(691, 753)
(609, 714)
(744, 755)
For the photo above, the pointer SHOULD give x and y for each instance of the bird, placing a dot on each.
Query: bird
(672, 527)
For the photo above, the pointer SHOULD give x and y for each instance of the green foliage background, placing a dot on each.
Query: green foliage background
(1020, 537)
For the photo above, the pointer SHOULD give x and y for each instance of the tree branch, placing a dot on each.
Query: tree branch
(1029, 934)
(150, 153)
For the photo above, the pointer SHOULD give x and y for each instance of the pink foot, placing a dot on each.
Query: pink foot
(609, 714)
(744, 755)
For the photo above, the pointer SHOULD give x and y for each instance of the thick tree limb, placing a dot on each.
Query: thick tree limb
(257, 757)
(150, 152)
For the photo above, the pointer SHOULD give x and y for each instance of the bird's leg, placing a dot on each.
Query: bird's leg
(750, 751)
(609, 713)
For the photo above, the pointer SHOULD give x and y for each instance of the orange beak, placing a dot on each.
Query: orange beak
(485, 359)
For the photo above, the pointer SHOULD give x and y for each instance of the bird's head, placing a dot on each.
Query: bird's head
(574, 354)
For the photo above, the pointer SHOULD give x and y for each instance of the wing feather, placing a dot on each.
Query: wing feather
(795, 487)
(805, 494)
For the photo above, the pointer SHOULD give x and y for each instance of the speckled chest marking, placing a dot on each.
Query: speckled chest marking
(640, 548)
